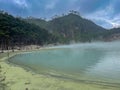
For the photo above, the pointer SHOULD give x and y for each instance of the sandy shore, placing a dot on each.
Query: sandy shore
(16, 78)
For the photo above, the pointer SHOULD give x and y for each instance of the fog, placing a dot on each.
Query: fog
(103, 45)
(92, 61)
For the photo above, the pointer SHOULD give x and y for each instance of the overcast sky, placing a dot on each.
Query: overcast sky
(105, 13)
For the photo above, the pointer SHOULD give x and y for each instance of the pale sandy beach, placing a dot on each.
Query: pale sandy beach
(14, 77)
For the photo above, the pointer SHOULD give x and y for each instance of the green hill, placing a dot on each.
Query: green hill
(18, 32)
(71, 27)
(65, 29)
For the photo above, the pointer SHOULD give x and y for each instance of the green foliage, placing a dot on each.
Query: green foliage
(19, 31)
(71, 27)
(64, 29)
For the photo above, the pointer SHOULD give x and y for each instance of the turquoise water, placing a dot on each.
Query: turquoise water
(92, 62)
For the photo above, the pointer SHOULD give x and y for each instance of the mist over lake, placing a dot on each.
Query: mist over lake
(98, 61)
(59, 45)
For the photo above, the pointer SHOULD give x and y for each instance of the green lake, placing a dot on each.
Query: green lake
(92, 62)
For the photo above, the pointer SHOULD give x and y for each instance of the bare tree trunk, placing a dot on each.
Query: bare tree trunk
(7, 45)
(12, 45)
(2, 46)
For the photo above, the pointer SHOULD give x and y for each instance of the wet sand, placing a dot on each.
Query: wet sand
(13, 77)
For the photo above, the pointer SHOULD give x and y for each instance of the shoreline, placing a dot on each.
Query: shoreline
(18, 78)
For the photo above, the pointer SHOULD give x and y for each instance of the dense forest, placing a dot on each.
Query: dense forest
(16, 31)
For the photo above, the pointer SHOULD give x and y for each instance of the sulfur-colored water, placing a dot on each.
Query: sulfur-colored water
(95, 62)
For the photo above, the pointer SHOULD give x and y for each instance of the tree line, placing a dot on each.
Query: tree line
(16, 32)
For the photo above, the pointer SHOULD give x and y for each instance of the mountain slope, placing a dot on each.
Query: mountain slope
(72, 27)
(37, 21)
(112, 34)
(16, 31)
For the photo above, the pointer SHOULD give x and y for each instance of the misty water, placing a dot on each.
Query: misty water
(89, 61)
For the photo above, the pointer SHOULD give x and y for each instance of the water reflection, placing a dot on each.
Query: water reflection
(108, 68)
(86, 61)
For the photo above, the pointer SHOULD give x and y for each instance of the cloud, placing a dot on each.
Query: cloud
(103, 12)
(89, 6)
(116, 21)
(107, 17)
(51, 4)
(21, 3)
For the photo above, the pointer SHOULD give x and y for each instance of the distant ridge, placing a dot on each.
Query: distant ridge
(64, 29)
(70, 27)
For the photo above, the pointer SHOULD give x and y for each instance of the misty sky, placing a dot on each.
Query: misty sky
(103, 12)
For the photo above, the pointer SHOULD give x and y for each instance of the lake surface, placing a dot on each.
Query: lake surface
(99, 62)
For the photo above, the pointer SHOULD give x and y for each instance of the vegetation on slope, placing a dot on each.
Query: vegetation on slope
(71, 27)
(15, 31)
(64, 29)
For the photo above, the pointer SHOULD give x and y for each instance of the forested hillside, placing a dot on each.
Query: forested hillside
(112, 34)
(15, 31)
(71, 27)
(63, 29)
